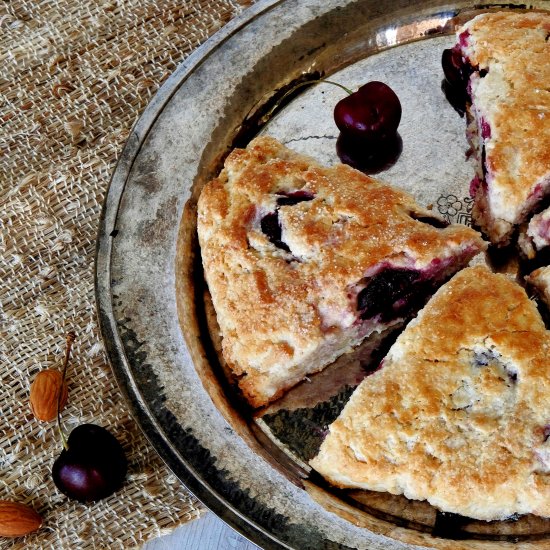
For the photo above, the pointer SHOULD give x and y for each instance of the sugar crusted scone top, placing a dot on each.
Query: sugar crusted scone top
(274, 307)
(513, 98)
(459, 412)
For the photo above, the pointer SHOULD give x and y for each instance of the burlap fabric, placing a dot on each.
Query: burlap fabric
(74, 77)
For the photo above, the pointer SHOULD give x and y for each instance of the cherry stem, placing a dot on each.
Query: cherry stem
(266, 117)
(69, 344)
(349, 92)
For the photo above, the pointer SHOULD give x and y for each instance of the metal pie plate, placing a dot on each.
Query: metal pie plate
(156, 319)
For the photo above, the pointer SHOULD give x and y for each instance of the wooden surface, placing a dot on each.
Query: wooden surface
(206, 533)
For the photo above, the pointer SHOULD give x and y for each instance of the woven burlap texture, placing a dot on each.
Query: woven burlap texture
(74, 77)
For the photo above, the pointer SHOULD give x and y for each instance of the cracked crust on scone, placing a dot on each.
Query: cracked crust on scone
(458, 413)
(296, 256)
(509, 90)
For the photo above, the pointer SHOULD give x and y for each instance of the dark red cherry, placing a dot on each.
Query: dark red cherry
(272, 230)
(92, 467)
(384, 290)
(369, 156)
(457, 75)
(372, 112)
(270, 225)
(457, 72)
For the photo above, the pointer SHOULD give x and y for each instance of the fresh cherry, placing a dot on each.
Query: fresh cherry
(92, 464)
(92, 467)
(369, 156)
(368, 120)
(372, 113)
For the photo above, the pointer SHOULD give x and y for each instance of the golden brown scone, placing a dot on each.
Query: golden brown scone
(459, 412)
(509, 54)
(298, 259)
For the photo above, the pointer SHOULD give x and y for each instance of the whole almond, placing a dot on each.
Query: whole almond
(45, 392)
(17, 519)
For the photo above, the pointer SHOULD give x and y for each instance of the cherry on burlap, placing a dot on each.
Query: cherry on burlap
(74, 77)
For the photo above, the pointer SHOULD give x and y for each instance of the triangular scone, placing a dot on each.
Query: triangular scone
(508, 54)
(304, 262)
(459, 412)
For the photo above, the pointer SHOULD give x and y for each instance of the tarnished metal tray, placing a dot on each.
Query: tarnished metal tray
(156, 319)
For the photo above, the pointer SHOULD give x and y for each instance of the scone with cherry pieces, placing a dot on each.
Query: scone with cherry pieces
(506, 55)
(458, 413)
(304, 262)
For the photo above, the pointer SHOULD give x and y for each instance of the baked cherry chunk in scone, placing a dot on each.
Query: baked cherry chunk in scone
(458, 413)
(304, 262)
(534, 236)
(502, 62)
(539, 279)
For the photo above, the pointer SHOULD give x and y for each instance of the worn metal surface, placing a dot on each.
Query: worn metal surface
(152, 304)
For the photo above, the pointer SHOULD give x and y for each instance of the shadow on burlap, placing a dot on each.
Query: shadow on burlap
(74, 78)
